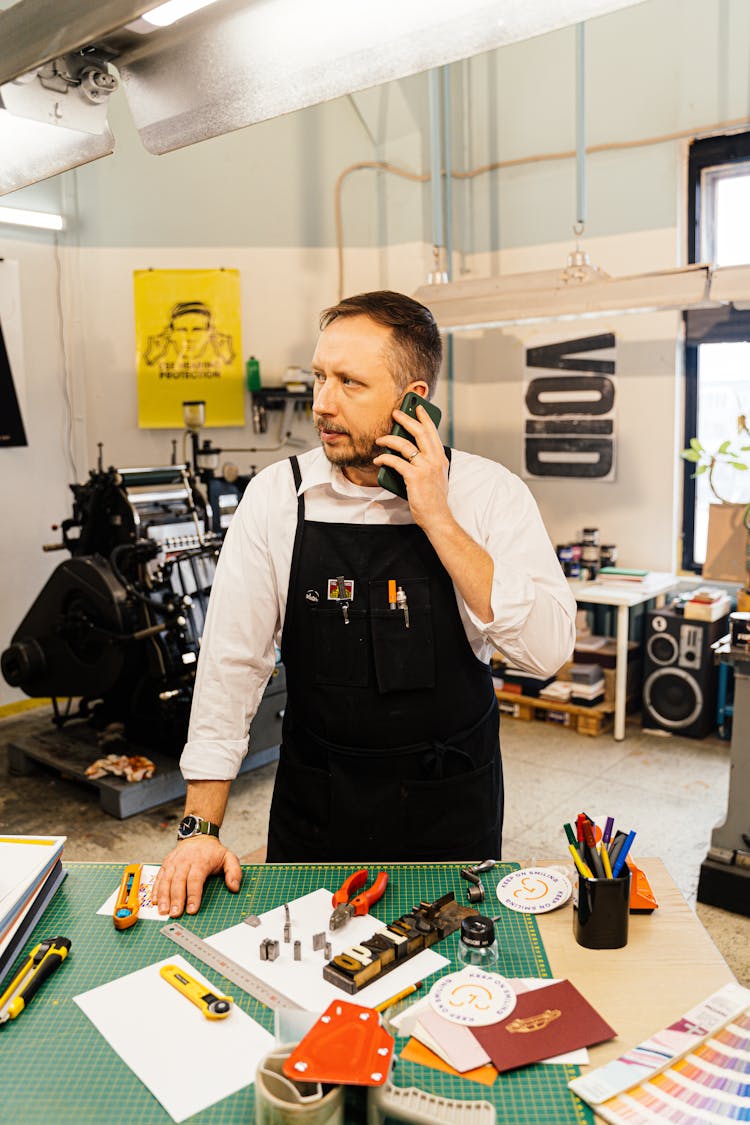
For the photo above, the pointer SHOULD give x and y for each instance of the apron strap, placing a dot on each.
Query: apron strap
(296, 550)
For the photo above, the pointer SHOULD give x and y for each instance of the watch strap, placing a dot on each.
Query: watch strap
(199, 826)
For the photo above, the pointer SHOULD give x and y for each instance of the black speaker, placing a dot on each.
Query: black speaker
(679, 674)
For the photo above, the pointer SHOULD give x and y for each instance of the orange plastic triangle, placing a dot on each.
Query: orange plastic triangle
(347, 1047)
(641, 896)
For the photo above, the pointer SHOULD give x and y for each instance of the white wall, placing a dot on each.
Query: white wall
(638, 510)
(283, 292)
(261, 200)
(34, 479)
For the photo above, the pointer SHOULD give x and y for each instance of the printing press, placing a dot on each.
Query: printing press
(117, 626)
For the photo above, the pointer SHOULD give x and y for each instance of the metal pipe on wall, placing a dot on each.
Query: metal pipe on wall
(448, 204)
(580, 125)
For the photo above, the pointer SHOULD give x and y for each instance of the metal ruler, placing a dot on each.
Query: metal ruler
(243, 978)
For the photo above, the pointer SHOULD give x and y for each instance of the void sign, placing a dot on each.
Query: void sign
(570, 410)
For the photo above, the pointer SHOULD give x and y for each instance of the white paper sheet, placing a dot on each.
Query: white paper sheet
(187, 1061)
(147, 909)
(302, 981)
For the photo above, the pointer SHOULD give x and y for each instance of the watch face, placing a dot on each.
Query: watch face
(189, 826)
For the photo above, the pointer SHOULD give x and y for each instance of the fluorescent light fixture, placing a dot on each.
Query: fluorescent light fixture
(239, 62)
(44, 220)
(544, 296)
(174, 10)
(731, 283)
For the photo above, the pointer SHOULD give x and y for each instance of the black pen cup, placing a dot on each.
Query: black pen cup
(600, 919)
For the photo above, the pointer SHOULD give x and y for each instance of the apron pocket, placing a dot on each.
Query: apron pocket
(454, 817)
(341, 649)
(300, 813)
(404, 658)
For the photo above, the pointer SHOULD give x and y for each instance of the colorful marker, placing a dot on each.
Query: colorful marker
(622, 856)
(584, 869)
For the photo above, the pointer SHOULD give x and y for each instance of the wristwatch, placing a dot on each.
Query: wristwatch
(196, 826)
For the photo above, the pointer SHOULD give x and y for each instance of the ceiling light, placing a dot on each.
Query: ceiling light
(174, 10)
(543, 296)
(33, 150)
(44, 220)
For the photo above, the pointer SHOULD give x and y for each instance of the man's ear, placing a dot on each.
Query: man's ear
(419, 387)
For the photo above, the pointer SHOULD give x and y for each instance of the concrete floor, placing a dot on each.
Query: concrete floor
(672, 791)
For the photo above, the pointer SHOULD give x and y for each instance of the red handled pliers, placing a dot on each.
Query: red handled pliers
(361, 903)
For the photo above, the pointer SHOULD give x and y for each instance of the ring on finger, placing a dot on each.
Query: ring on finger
(416, 454)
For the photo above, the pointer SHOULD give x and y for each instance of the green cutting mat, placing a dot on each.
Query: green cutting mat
(56, 1069)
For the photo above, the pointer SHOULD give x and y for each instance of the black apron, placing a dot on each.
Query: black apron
(390, 747)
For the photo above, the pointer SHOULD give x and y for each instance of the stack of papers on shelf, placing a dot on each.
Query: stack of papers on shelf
(30, 873)
(559, 690)
(588, 695)
(590, 642)
(523, 683)
(620, 574)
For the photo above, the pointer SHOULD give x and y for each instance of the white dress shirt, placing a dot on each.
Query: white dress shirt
(533, 610)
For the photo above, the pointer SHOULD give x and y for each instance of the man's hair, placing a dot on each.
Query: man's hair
(189, 308)
(416, 348)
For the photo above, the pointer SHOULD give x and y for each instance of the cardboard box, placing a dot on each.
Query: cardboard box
(726, 546)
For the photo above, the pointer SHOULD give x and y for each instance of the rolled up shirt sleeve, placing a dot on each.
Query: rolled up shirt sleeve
(238, 654)
(533, 610)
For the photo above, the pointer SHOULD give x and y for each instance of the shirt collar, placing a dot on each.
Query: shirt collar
(321, 473)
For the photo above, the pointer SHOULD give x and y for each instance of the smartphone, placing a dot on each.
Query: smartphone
(388, 477)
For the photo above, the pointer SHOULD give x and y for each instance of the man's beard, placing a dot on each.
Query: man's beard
(358, 452)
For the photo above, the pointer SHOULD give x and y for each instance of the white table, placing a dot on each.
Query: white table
(624, 595)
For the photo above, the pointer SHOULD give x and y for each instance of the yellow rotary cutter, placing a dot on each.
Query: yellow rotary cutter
(213, 1007)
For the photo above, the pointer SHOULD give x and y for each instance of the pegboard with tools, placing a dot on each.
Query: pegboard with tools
(57, 1067)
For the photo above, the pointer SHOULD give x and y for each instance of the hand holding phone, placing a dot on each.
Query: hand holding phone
(388, 477)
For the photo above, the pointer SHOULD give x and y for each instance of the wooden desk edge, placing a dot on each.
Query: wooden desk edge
(668, 966)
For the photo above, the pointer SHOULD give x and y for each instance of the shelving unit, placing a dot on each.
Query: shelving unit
(584, 720)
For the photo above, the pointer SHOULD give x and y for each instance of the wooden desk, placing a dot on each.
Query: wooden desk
(624, 597)
(668, 966)
(57, 1068)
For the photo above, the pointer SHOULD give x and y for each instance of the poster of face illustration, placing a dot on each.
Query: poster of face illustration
(188, 346)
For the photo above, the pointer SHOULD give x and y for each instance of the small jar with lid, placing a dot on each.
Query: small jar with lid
(477, 944)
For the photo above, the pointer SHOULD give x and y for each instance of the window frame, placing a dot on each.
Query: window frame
(724, 325)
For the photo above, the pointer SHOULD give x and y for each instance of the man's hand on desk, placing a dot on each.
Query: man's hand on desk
(185, 870)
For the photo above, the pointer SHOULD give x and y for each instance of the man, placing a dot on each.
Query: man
(390, 742)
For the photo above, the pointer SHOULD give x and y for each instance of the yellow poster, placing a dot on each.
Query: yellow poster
(188, 347)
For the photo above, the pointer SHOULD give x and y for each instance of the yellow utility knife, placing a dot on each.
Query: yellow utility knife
(213, 1007)
(127, 904)
(40, 964)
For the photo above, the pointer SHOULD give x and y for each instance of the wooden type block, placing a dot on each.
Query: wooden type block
(408, 935)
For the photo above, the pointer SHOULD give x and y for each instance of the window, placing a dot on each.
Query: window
(717, 360)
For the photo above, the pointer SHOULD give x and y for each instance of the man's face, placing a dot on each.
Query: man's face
(190, 332)
(354, 394)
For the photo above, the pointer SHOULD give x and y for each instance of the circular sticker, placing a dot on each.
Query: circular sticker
(473, 998)
(534, 890)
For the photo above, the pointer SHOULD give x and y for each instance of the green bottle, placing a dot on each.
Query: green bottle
(252, 374)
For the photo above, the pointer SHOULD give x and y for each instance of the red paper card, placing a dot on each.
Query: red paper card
(548, 1021)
